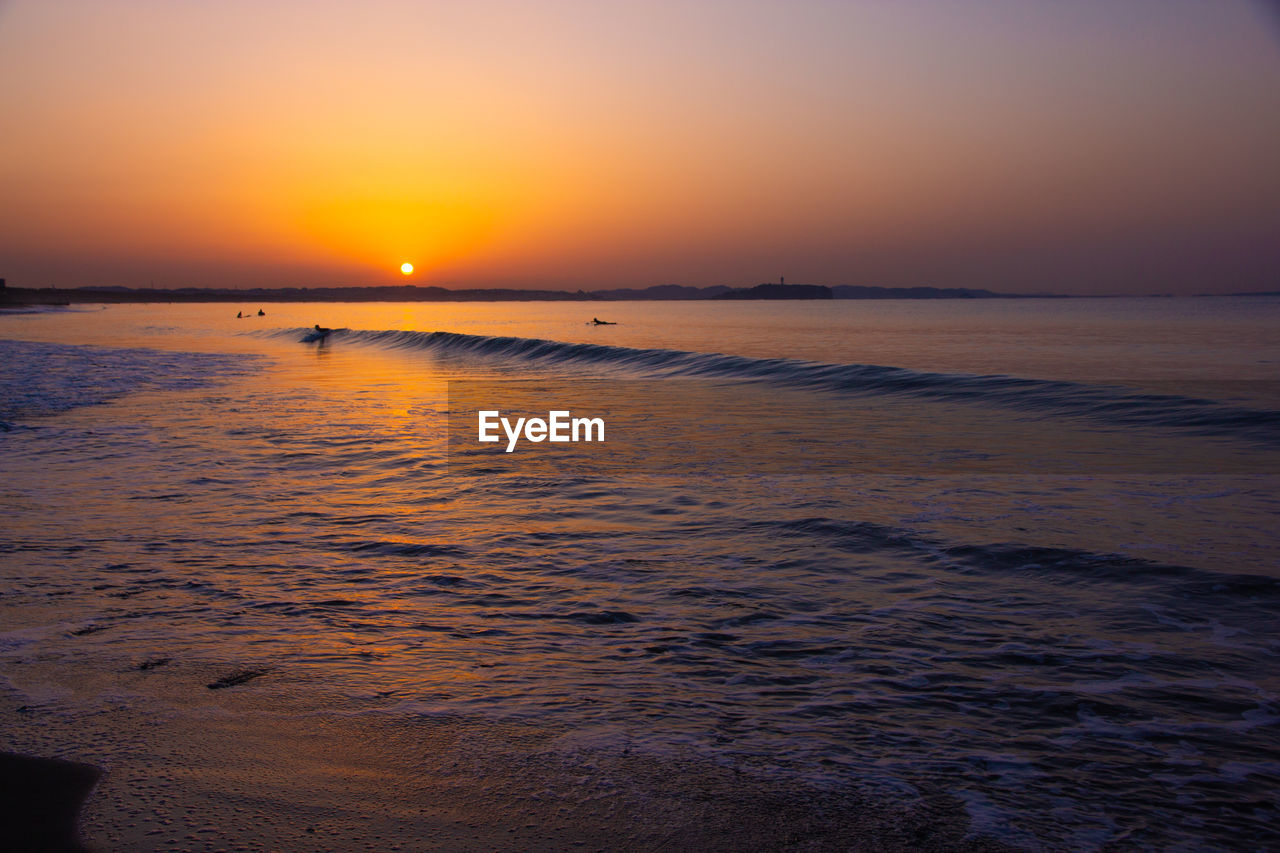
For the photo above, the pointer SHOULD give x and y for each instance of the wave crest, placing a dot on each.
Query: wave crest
(1110, 403)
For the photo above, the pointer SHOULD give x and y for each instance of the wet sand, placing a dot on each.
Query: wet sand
(257, 767)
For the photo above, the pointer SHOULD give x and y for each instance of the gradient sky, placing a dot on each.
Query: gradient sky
(1078, 146)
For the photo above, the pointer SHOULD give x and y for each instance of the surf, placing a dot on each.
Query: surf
(1111, 404)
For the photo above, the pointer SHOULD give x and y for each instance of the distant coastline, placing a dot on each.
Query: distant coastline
(410, 293)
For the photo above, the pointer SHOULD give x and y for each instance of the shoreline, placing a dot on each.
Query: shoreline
(11, 297)
(221, 771)
(16, 299)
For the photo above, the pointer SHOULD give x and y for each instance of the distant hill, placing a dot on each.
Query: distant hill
(780, 291)
(847, 291)
(662, 291)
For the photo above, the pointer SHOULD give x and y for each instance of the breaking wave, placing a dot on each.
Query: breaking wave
(39, 379)
(1112, 404)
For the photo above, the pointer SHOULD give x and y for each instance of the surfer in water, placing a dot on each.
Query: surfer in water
(261, 313)
(596, 321)
(318, 335)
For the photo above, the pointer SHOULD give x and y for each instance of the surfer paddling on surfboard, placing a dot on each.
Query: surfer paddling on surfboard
(320, 335)
(596, 321)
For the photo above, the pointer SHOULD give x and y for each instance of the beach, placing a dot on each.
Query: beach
(890, 576)
(639, 427)
(232, 774)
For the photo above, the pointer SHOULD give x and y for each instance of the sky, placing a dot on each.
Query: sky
(1034, 146)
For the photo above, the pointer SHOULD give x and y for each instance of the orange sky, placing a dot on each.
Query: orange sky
(1028, 145)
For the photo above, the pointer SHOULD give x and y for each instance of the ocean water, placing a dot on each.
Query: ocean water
(1018, 553)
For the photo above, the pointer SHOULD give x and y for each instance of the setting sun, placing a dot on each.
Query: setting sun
(406, 268)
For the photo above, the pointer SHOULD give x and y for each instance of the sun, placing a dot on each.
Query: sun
(406, 268)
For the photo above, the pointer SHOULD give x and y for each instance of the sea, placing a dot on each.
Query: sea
(1022, 554)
